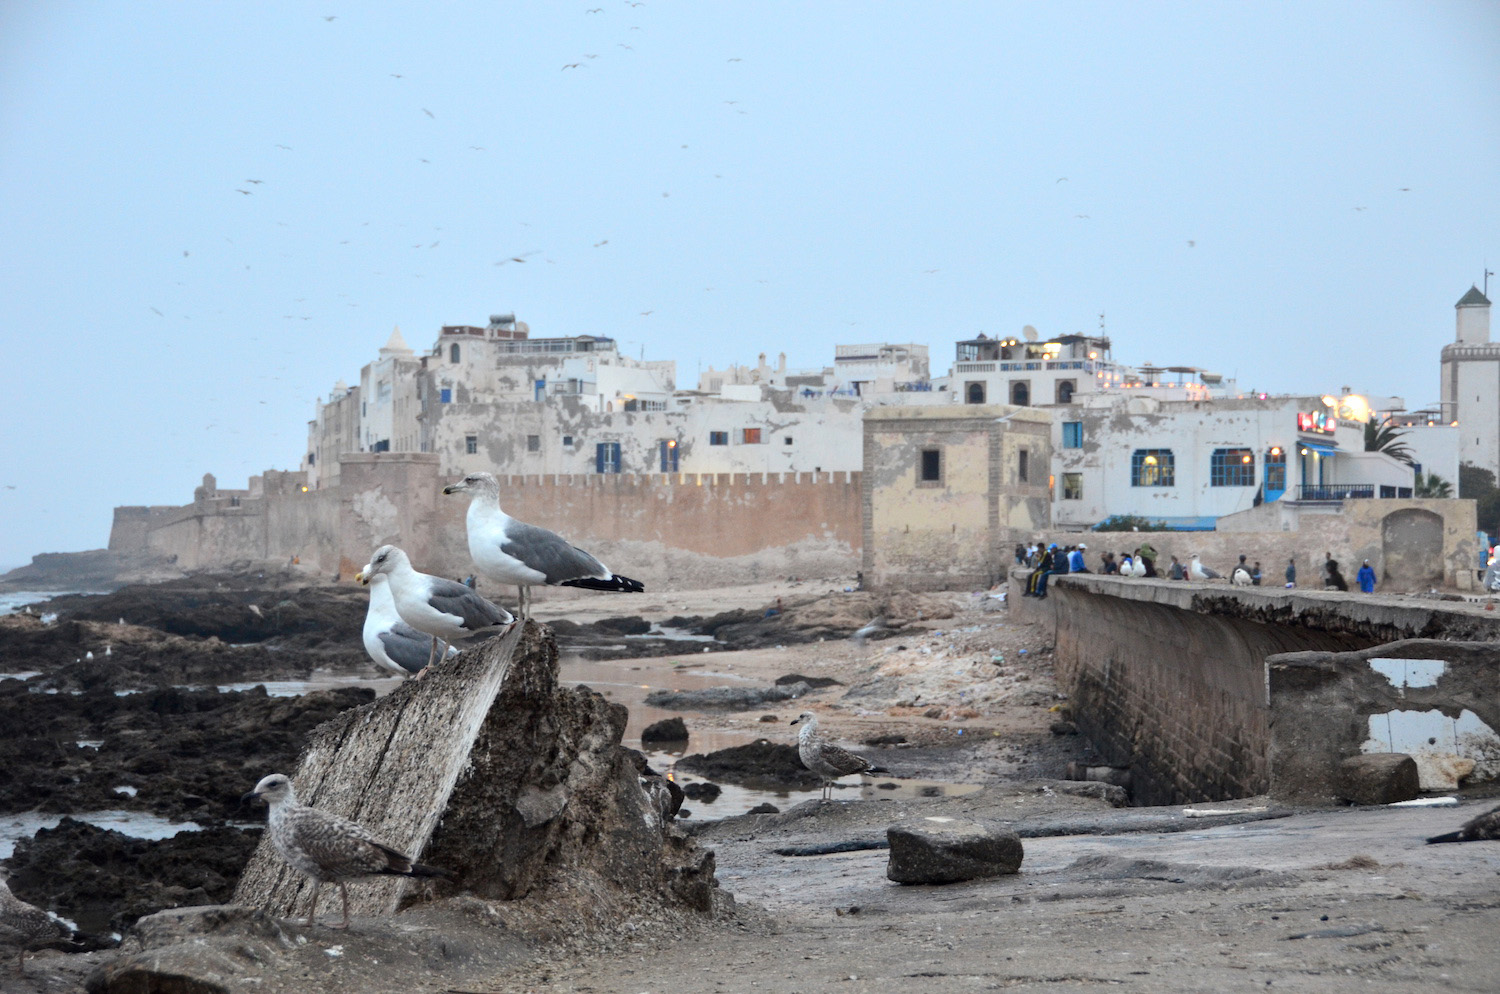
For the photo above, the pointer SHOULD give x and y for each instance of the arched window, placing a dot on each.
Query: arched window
(1065, 391)
(453, 352)
(1020, 394)
(974, 393)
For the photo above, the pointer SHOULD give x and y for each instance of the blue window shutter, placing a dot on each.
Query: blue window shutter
(599, 457)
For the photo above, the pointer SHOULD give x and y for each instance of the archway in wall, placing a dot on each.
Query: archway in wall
(1020, 394)
(1065, 391)
(975, 393)
(1411, 542)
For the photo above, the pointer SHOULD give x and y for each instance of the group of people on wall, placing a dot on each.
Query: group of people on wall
(1050, 560)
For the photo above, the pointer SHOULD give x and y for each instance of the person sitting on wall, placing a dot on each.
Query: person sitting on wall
(1036, 583)
(1366, 578)
(1110, 565)
(1020, 554)
(1060, 560)
(1147, 554)
(1255, 574)
(1291, 573)
(1075, 560)
(1332, 578)
(1177, 571)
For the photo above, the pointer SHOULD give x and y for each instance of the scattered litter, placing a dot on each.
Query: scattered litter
(1220, 812)
(334, 952)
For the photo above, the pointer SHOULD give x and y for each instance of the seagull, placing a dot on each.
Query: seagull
(1240, 577)
(1480, 828)
(507, 551)
(825, 759)
(429, 113)
(871, 627)
(391, 642)
(1198, 571)
(444, 609)
(27, 927)
(327, 848)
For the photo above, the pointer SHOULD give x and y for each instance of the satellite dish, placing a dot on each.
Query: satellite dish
(1029, 332)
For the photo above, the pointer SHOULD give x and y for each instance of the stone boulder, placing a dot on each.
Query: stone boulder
(667, 730)
(1378, 778)
(939, 850)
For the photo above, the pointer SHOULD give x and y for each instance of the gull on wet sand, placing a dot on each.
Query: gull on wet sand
(326, 848)
(824, 758)
(27, 927)
(391, 642)
(508, 551)
(442, 608)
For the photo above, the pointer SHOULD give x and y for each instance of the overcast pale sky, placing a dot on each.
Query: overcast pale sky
(212, 212)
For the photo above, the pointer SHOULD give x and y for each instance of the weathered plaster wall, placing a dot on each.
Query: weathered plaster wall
(1169, 678)
(954, 532)
(1321, 703)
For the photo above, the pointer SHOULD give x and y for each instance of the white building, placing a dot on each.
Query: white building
(389, 404)
(1189, 462)
(1471, 384)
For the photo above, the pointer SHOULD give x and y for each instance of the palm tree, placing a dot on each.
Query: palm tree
(1432, 485)
(1385, 438)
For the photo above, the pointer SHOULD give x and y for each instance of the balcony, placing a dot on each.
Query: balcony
(1335, 491)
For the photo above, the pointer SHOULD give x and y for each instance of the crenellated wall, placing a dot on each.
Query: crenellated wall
(655, 527)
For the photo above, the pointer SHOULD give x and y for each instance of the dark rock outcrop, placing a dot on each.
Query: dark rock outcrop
(667, 730)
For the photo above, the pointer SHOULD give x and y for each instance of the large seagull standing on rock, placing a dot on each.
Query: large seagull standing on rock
(507, 551)
(390, 641)
(327, 848)
(444, 609)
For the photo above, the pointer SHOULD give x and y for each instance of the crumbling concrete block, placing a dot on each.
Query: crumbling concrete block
(1378, 778)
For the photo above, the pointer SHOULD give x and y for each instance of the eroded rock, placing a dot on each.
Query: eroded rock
(942, 850)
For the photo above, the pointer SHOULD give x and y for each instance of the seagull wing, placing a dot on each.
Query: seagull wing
(550, 554)
(407, 647)
(458, 600)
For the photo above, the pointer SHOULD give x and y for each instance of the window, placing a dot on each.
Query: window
(930, 469)
(667, 448)
(1152, 468)
(1072, 486)
(718, 438)
(1020, 394)
(1231, 468)
(607, 457)
(1065, 390)
(567, 441)
(471, 444)
(312, 458)
(788, 440)
(445, 396)
(750, 436)
(453, 352)
(1275, 471)
(533, 443)
(973, 393)
(1023, 458)
(1072, 434)
(539, 390)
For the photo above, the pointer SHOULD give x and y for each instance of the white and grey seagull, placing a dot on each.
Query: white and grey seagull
(824, 758)
(327, 848)
(1198, 571)
(391, 642)
(509, 551)
(444, 609)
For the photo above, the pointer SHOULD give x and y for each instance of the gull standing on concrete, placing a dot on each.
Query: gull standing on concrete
(1478, 829)
(327, 848)
(824, 758)
(508, 551)
(391, 642)
(1198, 571)
(27, 927)
(1241, 577)
(444, 609)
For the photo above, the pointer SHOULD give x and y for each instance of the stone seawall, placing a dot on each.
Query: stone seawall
(678, 529)
(1169, 678)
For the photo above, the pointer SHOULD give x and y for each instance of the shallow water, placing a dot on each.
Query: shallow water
(13, 602)
(136, 824)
